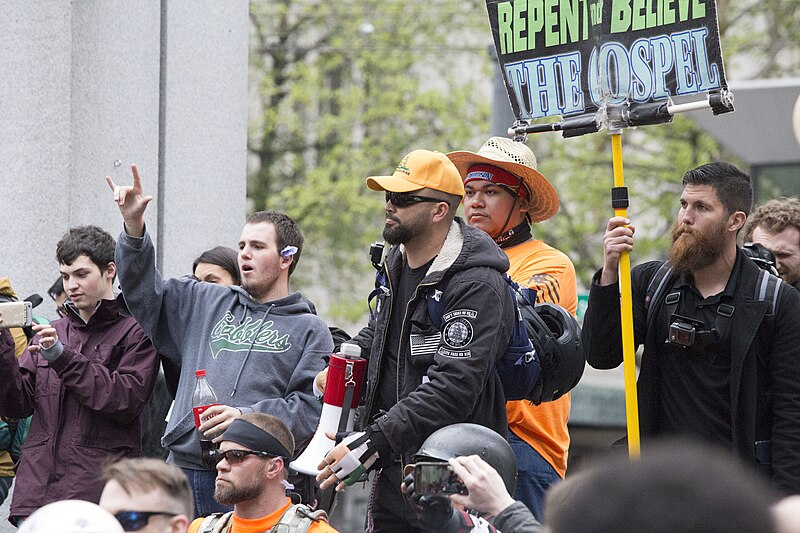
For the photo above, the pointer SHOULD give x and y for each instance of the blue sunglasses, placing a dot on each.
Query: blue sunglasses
(136, 520)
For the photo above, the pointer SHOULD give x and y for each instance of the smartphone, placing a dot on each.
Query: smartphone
(437, 478)
(16, 314)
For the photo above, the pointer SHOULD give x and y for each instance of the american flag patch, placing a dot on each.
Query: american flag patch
(424, 344)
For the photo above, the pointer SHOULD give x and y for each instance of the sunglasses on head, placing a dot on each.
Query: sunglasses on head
(405, 199)
(136, 520)
(234, 457)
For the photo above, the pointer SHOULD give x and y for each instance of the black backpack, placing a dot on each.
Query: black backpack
(544, 357)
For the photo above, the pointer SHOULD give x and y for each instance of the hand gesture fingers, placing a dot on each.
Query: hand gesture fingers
(131, 202)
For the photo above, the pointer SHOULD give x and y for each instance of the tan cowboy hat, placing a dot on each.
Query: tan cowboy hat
(517, 158)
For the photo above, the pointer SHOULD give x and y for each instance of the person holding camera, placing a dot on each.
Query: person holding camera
(85, 379)
(462, 479)
(776, 226)
(721, 342)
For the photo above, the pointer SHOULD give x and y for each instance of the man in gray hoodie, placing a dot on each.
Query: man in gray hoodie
(260, 345)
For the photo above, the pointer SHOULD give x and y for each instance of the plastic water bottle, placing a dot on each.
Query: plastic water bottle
(203, 397)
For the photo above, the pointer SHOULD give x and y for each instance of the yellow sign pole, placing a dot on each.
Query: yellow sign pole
(626, 305)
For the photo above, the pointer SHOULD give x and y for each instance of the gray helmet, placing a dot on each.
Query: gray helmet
(556, 336)
(459, 440)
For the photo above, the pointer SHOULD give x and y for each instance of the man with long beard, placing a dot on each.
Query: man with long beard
(252, 470)
(721, 346)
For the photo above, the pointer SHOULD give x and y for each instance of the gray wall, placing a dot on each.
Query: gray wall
(91, 86)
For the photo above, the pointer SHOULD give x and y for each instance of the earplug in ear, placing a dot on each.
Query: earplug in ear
(288, 251)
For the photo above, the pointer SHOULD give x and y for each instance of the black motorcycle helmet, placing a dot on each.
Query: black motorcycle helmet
(457, 440)
(556, 335)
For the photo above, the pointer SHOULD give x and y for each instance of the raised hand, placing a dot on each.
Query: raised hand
(132, 203)
(618, 238)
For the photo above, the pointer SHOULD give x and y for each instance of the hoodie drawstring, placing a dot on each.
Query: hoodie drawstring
(250, 349)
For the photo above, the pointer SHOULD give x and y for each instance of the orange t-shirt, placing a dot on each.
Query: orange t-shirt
(539, 266)
(265, 523)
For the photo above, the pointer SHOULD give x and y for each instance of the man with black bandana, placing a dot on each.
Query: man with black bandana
(721, 359)
(504, 194)
(252, 470)
(422, 377)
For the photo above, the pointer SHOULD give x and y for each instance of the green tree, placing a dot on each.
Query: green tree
(343, 90)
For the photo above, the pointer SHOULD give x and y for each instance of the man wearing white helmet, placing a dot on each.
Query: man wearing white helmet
(71, 516)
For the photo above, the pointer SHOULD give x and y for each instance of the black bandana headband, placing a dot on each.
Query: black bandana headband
(244, 433)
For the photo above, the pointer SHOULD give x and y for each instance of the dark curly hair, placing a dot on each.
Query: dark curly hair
(90, 241)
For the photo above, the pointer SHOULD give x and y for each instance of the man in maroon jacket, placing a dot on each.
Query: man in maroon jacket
(85, 379)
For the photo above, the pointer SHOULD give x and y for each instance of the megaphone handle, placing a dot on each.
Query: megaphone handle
(349, 387)
(348, 399)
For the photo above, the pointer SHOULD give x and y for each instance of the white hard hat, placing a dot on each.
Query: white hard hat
(71, 516)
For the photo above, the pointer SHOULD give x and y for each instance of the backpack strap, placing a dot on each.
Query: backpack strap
(381, 286)
(216, 523)
(767, 289)
(658, 284)
(299, 518)
(433, 299)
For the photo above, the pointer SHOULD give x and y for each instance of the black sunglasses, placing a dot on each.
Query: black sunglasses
(136, 520)
(405, 199)
(234, 457)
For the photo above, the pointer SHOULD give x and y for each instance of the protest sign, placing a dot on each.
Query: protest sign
(572, 57)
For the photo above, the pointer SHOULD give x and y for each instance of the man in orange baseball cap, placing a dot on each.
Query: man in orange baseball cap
(425, 372)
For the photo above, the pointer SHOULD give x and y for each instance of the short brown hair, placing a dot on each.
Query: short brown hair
(273, 426)
(147, 474)
(774, 217)
(287, 232)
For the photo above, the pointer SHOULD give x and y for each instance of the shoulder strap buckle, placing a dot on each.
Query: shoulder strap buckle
(725, 310)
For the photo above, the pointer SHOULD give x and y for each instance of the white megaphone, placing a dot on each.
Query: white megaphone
(345, 371)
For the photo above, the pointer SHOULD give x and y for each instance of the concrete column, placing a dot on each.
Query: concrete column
(87, 88)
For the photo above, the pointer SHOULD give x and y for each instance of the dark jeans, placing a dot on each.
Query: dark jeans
(389, 511)
(202, 483)
(534, 476)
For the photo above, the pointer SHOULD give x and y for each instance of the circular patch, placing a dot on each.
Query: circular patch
(457, 333)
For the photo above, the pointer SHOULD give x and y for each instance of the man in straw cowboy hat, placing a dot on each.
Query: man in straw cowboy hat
(504, 194)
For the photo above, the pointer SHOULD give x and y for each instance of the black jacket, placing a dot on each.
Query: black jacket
(462, 384)
(765, 364)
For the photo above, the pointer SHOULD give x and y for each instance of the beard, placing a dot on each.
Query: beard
(230, 494)
(261, 286)
(396, 234)
(401, 233)
(694, 250)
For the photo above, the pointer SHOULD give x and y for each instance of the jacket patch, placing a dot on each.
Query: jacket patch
(460, 313)
(424, 344)
(255, 335)
(457, 332)
(457, 354)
